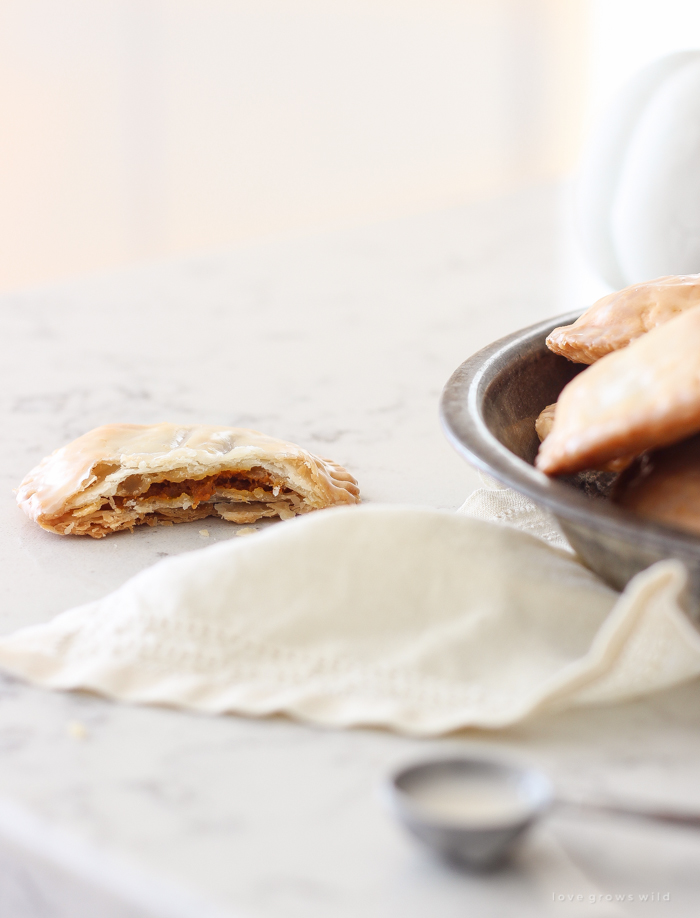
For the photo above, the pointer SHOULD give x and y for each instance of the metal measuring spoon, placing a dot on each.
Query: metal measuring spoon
(475, 810)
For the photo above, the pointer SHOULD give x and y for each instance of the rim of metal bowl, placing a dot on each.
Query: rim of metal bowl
(461, 414)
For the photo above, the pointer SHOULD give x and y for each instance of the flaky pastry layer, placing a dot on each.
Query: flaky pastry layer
(616, 320)
(124, 475)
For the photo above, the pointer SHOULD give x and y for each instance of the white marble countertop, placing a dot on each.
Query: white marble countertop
(341, 343)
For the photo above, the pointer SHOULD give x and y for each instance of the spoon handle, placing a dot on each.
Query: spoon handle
(687, 818)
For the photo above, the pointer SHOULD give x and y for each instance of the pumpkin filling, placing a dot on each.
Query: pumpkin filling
(250, 482)
(238, 496)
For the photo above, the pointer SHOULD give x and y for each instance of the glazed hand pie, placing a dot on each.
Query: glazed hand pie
(543, 427)
(618, 319)
(643, 397)
(665, 486)
(122, 475)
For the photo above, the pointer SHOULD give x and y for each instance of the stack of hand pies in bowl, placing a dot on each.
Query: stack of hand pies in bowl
(636, 408)
(596, 418)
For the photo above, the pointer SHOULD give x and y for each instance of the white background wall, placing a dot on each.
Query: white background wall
(133, 129)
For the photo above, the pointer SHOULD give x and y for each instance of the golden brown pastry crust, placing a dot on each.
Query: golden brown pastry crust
(545, 421)
(544, 424)
(643, 397)
(620, 318)
(665, 487)
(124, 475)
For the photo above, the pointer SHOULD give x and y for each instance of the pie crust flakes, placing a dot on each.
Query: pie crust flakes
(620, 318)
(123, 475)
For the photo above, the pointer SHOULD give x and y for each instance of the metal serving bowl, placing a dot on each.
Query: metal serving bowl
(488, 409)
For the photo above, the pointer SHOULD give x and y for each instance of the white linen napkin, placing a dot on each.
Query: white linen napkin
(422, 621)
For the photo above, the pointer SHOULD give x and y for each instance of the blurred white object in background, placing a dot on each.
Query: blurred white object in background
(139, 129)
(638, 196)
(136, 129)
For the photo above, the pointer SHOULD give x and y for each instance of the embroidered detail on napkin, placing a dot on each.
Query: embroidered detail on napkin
(501, 505)
(418, 620)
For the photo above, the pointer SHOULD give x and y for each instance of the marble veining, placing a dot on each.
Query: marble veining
(341, 343)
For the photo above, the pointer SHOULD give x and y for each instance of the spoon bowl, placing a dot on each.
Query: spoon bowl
(471, 811)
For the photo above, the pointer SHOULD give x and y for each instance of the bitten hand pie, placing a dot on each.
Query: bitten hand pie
(122, 475)
(665, 486)
(618, 319)
(643, 397)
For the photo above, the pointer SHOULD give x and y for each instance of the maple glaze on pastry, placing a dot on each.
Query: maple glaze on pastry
(616, 320)
(123, 475)
(642, 397)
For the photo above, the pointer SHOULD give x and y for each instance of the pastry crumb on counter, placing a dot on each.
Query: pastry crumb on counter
(76, 730)
(247, 530)
(204, 533)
